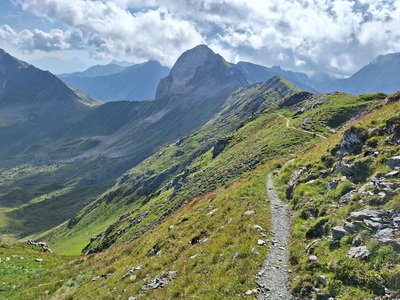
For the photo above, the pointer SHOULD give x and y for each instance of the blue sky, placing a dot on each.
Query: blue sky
(336, 37)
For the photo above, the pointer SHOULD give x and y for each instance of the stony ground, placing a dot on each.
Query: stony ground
(273, 278)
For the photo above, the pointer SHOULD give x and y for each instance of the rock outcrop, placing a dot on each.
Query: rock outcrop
(200, 72)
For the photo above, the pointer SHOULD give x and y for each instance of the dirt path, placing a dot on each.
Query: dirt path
(272, 279)
(301, 130)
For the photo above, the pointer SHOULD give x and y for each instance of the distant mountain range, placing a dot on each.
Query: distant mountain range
(381, 75)
(114, 82)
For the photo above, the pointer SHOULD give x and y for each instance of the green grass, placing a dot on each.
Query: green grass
(347, 278)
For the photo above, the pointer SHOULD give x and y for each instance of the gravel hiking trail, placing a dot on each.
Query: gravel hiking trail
(301, 130)
(273, 278)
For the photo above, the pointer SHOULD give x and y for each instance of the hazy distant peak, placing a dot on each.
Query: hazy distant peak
(202, 70)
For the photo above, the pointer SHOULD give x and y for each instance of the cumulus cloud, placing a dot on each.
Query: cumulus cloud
(55, 39)
(335, 36)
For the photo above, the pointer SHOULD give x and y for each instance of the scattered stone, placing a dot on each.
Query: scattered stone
(95, 278)
(259, 228)
(254, 251)
(312, 258)
(160, 281)
(293, 181)
(372, 224)
(249, 213)
(386, 233)
(387, 291)
(360, 252)
(249, 292)
(39, 259)
(171, 227)
(193, 256)
(352, 227)
(235, 256)
(345, 199)
(281, 248)
(133, 277)
(211, 212)
(393, 174)
(338, 232)
(261, 243)
(229, 220)
(394, 242)
(42, 245)
(366, 214)
(322, 280)
(332, 185)
(394, 163)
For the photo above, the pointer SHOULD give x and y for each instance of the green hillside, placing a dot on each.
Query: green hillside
(208, 247)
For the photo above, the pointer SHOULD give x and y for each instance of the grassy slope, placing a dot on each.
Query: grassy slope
(186, 169)
(348, 278)
(222, 265)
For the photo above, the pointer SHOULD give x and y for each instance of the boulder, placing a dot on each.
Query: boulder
(322, 280)
(360, 252)
(386, 233)
(394, 162)
(293, 181)
(357, 241)
(352, 142)
(338, 232)
(352, 227)
(160, 281)
(366, 214)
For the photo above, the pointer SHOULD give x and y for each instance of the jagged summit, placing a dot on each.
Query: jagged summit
(201, 72)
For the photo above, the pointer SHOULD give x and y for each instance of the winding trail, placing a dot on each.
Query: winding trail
(273, 278)
(298, 129)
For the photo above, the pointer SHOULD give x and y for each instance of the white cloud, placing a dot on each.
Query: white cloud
(336, 36)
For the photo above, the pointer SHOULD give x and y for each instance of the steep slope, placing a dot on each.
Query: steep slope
(381, 75)
(201, 73)
(71, 164)
(345, 192)
(210, 248)
(256, 73)
(112, 82)
(180, 161)
(41, 109)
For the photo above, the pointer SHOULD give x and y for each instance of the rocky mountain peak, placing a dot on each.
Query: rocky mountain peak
(202, 71)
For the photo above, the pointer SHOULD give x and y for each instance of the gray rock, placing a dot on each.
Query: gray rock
(360, 252)
(352, 227)
(393, 174)
(212, 212)
(259, 228)
(394, 242)
(293, 181)
(249, 213)
(160, 281)
(312, 258)
(357, 241)
(372, 224)
(394, 162)
(351, 143)
(261, 243)
(322, 280)
(39, 259)
(345, 199)
(338, 232)
(386, 233)
(366, 214)
(332, 185)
